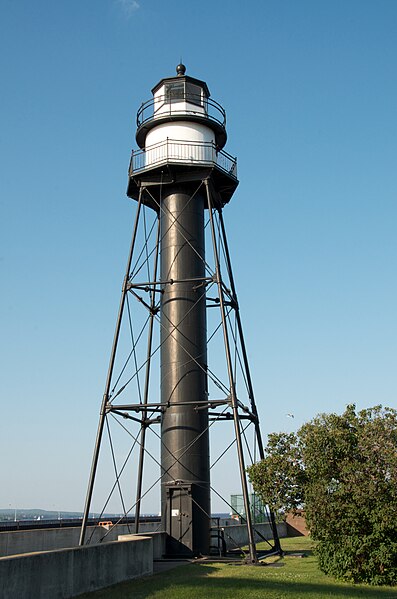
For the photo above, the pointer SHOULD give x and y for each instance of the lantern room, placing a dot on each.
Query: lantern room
(181, 108)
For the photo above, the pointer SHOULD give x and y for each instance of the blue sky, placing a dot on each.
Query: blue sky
(310, 92)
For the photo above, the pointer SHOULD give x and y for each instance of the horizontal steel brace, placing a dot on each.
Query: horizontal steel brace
(212, 417)
(150, 421)
(151, 407)
(168, 282)
(127, 416)
(220, 418)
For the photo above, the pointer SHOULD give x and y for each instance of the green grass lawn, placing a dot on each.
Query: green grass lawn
(286, 578)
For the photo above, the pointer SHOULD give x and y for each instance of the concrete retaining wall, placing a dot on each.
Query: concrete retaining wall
(159, 542)
(69, 572)
(47, 539)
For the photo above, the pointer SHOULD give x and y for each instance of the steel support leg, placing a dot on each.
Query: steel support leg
(109, 379)
(251, 542)
(146, 389)
(254, 410)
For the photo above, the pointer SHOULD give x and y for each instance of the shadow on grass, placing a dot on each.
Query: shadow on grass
(195, 582)
(298, 552)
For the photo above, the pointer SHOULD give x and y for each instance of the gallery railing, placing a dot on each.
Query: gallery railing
(173, 151)
(185, 103)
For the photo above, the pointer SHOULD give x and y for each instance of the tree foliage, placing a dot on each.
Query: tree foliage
(343, 470)
(279, 478)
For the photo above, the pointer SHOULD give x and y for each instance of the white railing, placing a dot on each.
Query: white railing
(173, 151)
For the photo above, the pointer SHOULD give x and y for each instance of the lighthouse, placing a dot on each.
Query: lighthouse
(181, 132)
(183, 176)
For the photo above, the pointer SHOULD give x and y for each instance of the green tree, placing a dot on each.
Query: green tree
(343, 470)
(280, 478)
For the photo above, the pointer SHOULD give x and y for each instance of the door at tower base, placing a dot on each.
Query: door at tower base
(187, 526)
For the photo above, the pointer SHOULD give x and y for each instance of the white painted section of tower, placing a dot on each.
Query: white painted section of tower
(180, 130)
(180, 142)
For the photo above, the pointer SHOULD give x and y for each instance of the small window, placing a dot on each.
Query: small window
(174, 92)
(193, 94)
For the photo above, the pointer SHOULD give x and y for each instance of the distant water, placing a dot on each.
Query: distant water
(39, 514)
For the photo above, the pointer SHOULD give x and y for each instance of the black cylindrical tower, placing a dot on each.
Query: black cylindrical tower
(184, 429)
